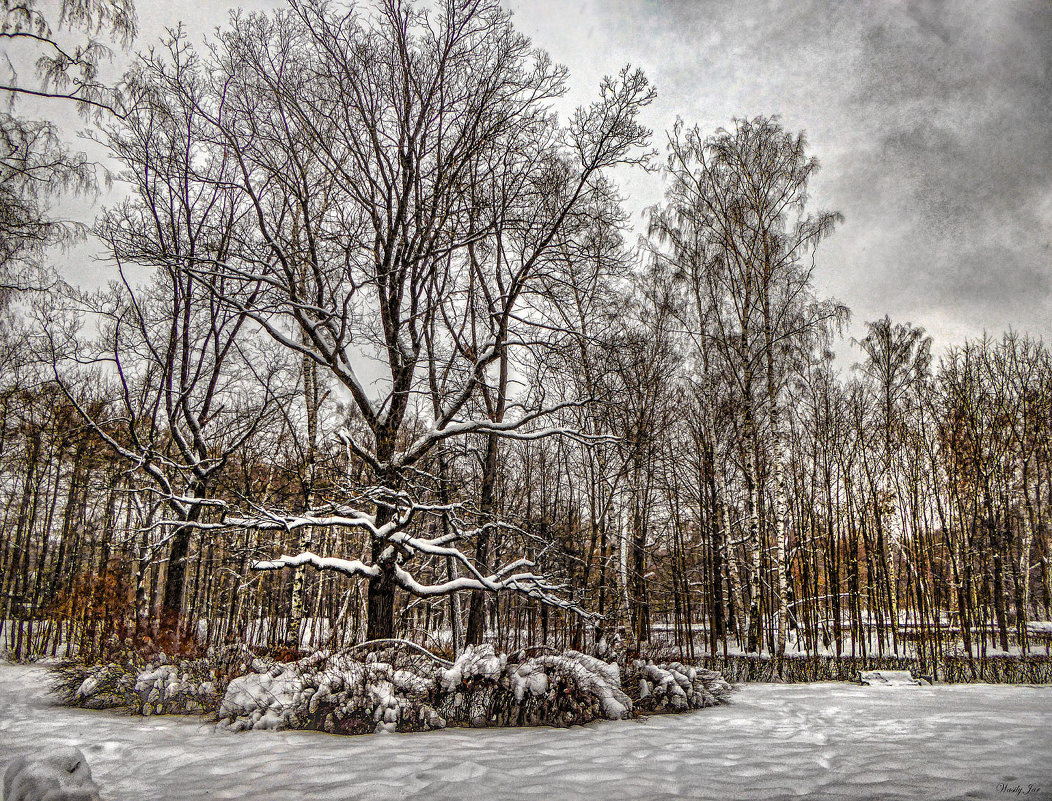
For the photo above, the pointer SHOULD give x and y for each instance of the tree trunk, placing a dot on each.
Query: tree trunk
(171, 622)
(311, 402)
(477, 610)
(380, 605)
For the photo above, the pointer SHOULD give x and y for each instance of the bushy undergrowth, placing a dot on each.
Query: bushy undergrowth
(674, 687)
(561, 689)
(340, 694)
(330, 692)
(156, 684)
(397, 689)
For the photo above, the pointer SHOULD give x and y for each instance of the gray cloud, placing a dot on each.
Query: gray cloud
(931, 119)
(958, 103)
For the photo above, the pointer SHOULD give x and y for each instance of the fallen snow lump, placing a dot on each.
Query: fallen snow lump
(61, 775)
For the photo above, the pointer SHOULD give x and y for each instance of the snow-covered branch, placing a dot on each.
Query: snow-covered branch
(527, 583)
(510, 429)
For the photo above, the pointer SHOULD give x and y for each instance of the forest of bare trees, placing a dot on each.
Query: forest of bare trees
(381, 358)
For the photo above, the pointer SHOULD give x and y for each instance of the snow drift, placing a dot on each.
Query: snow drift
(793, 741)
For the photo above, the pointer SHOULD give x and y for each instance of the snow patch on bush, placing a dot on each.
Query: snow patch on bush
(675, 687)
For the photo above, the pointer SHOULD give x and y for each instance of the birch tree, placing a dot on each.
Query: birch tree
(736, 215)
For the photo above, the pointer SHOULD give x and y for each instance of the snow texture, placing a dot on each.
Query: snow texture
(59, 775)
(830, 741)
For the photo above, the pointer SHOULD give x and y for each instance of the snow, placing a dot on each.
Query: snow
(476, 662)
(334, 692)
(59, 775)
(772, 741)
(888, 677)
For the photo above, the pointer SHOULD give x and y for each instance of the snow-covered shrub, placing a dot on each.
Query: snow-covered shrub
(674, 687)
(889, 678)
(103, 686)
(340, 694)
(333, 693)
(61, 775)
(564, 689)
(402, 688)
(158, 685)
(467, 691)
(571, 688)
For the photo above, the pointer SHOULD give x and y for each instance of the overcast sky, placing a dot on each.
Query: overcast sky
(931, 119)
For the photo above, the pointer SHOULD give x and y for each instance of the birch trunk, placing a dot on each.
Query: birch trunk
(311, 400)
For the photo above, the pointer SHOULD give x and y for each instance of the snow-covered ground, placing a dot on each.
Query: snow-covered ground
(823, 741)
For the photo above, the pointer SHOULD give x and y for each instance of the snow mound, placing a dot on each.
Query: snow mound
(62, 775)
(675, 687)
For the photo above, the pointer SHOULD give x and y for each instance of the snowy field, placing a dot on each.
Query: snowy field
(824, 741)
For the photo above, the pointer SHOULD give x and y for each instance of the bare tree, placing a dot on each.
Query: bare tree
(739, 232)
(402, 172)
(35, 163)
(189, 387)
(897, 358)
